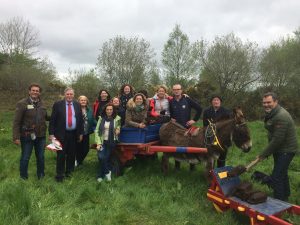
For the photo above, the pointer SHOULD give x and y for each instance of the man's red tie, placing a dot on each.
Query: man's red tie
(69, 115)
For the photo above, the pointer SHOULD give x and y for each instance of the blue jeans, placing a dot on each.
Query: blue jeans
(279, 177)
(103, 157)
(26, 146)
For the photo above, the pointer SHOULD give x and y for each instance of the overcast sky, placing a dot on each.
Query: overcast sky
(72, 32)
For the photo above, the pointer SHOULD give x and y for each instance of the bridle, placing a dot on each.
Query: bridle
(211, 138)
(211, 135)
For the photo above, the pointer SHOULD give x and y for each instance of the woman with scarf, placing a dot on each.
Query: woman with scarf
(89, 123)
(101, 101)
(106, 136)
(136, 113)
(120, 110)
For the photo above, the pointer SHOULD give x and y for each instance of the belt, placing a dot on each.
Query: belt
(70, 131)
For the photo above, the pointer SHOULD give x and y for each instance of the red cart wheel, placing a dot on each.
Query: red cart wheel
(219, 208)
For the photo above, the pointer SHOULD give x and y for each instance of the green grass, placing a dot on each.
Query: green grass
(142, 196)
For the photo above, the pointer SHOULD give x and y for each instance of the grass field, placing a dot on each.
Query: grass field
(141, 196)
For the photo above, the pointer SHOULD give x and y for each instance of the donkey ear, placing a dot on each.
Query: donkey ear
(237, 110)
(238, 113)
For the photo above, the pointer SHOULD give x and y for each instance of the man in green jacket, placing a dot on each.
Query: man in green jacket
(283, 144)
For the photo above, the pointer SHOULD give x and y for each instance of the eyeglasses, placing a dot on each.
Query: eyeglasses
(178, 89)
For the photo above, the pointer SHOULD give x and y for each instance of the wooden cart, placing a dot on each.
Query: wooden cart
(269, 212)
(126, 152)
(142, 141)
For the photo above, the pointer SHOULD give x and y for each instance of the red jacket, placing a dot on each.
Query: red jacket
(152, 102)
(96, 106)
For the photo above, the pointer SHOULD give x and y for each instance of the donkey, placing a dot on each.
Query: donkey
(216, 137)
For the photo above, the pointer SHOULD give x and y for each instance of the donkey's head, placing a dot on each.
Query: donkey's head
(241, 132)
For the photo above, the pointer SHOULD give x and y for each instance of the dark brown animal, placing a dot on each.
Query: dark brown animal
(233, 129)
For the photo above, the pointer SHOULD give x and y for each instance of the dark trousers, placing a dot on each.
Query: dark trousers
(222, 159)
(82, 149)
(279, 178)
(26, 146)
(66, 158)
(103, 157)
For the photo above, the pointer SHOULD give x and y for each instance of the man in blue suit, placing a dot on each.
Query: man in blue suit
(66, 125)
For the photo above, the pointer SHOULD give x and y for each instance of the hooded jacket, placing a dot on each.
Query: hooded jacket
(133, 116)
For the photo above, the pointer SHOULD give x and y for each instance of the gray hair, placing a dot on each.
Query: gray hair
(272, 94)
(69, 89)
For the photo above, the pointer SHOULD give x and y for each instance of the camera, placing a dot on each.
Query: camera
(33, 136)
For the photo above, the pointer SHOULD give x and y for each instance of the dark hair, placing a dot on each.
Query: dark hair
(121, 92)
(272, 94)
(108, 95)
(34, 85)
(114, 114)
(216, 96)
(144, 92)
(143, 97)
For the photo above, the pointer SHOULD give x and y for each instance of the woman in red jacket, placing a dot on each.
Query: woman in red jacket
(101, 101)
(159, 105)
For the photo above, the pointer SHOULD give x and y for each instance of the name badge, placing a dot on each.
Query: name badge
(30, 107)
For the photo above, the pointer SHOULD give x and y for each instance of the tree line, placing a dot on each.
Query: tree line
(240, 71)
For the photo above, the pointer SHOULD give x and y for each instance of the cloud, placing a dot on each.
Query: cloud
(73, 31)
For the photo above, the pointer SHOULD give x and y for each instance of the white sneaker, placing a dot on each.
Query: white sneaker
(76, 164)
(108, 176)
(99, 179)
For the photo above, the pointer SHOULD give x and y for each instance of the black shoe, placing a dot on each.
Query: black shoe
(40, 177)
(68, 175)
(59, 179)
(259, 176)
(24, 178)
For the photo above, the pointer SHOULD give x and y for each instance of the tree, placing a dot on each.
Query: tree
(230, 65)
(18, 67)
(280, 62)
(202, 91)
(180, 59)
(24, 70)
(280, 69)
(18, 37)
(122, 60)
(154, 79)
(85, 83)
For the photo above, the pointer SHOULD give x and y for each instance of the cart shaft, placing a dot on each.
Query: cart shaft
(177, 149)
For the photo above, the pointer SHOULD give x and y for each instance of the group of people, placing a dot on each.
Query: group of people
(71, 122)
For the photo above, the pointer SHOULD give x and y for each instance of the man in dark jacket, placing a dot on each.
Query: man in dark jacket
(29, 130)
(282, 144)
(181, 107)
(66, 125)
(213, 113)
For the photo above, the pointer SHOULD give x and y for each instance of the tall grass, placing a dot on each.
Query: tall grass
(142, 196)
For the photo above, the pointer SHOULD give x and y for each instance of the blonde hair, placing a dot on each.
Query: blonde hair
(83, 96)
(163, 87)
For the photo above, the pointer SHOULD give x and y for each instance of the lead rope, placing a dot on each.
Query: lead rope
(216, 140)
